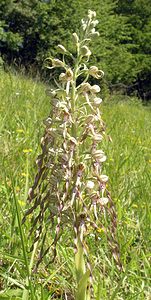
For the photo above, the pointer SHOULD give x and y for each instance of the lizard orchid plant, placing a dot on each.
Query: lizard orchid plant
(70, 188)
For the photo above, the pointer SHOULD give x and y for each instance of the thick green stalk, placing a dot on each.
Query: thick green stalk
(81, 274)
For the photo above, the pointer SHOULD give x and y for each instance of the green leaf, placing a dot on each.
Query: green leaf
(82, 287)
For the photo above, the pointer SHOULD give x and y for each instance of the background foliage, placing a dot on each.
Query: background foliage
(31, 29)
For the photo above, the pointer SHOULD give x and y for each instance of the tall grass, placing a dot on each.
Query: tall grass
(23, 106)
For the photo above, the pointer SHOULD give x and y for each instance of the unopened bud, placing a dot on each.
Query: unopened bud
(62, 49)
(75, 37)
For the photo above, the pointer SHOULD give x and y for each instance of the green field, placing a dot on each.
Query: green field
(23, 107)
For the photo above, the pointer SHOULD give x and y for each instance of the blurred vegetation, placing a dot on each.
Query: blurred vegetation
(31, 29)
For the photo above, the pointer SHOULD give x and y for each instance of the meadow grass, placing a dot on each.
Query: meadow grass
(23, 107)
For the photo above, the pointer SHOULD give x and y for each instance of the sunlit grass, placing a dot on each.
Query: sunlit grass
(23, 106)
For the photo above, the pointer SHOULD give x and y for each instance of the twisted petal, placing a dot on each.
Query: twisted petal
(95, 72)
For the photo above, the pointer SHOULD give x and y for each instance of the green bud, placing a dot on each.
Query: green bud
(75, 37)
(62, 49)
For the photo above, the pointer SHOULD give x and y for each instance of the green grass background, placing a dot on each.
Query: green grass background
(23, 107)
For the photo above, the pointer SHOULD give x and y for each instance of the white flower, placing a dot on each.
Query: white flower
(90, 184)
(103, 200)
(97, 101)
(91, 14)
(95, 89)
(104, 178)
(99, 155)
(98, 137)
(66, 76)
(94, 23)
(94, 33)
(85, 51)
(85, 87)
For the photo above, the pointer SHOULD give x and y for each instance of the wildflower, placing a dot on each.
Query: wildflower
(85, 87)
(90, 184)
(91, 14)
(95, 72)
(135, 206)
(21, 202)
(95, 89)
(97, 101)
(55, 63)
(100, 230)
(94, 23)
(149, 161)
(94, 33)
(68, 76)
(103, 200)
(104, 178)
(17, 188)
(62, 77)
(111, 159)
(69, 157)
(85, 51)
(97, 137)
(27, 150)
(24, 174)
(99, 155)
(19, 130)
